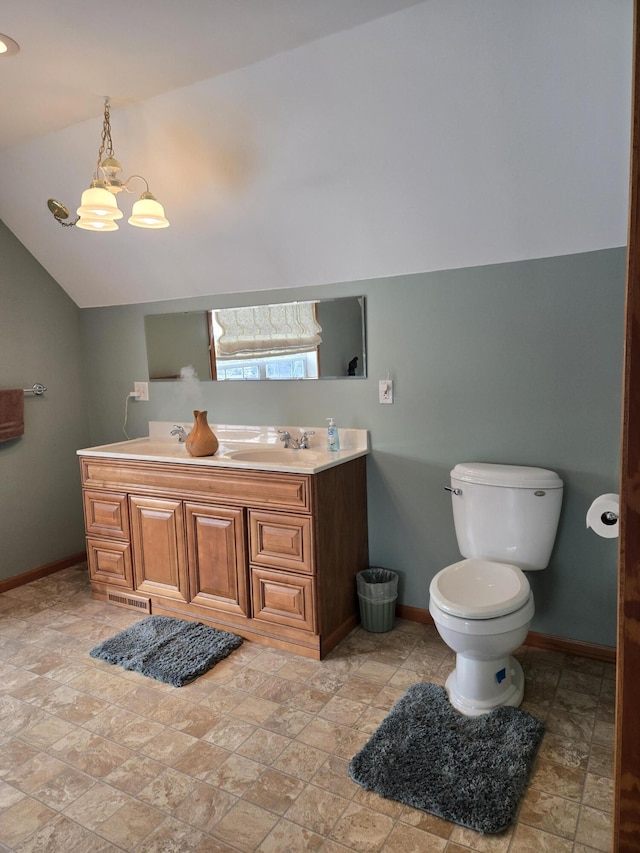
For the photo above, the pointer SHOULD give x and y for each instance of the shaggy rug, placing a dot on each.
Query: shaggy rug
(171, 650)
(469, 770)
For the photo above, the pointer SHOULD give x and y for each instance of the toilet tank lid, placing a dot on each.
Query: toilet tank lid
(514, 476)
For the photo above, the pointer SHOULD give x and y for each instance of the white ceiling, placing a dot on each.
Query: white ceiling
(296, 143)
(75, 52)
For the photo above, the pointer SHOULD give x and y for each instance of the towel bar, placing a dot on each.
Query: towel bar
(37, 389)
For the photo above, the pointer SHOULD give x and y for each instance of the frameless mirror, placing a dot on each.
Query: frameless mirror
(318, 339)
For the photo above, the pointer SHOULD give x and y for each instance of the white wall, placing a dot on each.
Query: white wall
(456, 133)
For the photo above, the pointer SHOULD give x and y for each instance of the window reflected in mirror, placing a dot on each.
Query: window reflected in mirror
(315, 339)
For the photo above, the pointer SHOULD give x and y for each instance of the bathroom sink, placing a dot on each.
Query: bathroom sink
(277, 456)
(151, 447)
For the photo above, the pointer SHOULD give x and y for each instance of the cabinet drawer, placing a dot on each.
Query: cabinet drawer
(200, 482)
(110, 562)
(106, 514)
(281, 541)
(283, 599)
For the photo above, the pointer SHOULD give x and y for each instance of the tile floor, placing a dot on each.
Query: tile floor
(253, 756)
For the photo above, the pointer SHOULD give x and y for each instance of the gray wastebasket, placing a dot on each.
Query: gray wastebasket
(377, 593)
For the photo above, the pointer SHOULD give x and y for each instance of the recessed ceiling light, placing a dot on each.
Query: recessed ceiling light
(8, 47)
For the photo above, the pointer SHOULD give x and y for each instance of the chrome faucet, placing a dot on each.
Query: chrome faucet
(179, 431)
(292, 443)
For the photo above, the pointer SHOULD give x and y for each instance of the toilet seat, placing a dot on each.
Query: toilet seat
(479, 589)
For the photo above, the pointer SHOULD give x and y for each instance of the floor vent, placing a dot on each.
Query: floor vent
(143, 604)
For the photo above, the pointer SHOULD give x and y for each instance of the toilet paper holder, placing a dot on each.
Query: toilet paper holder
(603, 516)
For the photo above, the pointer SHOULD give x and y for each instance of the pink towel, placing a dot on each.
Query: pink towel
(11, 413)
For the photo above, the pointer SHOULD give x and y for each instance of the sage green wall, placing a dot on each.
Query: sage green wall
(40, 341)
(515, 363)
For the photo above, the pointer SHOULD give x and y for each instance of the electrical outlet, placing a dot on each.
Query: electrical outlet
(385, 391)
(141, 390)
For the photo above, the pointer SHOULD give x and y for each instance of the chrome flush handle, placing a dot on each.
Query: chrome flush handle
(453, 491)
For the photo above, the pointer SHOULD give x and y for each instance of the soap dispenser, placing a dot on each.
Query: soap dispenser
(333, 439)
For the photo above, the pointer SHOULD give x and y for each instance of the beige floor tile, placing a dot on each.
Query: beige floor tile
(168, 789)
(236, 775)
(300, 760)
(601, 761)
(526, 839)
(171, 836)
(598, 792)
(229, 732)
(333, 775)
(130, 824)
(134, 774)
(255, 710)
(552, 778)
(167, 746)
(254, 755)
(60, 834)
(426, 822)
(277, 689)
(200, 759)
(205, 806)
(263, 746)
(63, 788)
(480, 843)
(292, 838)
(549, 813)
(96, 805)
(362, 829)
(245, 826)
(317, 809)
(9, 796)
(569, 753)
(410, 840)
(90, 753)
(274, 791)
(22, 819)
(595, 828)
(44, 734)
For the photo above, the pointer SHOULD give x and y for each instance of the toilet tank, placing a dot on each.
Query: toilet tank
(506, 513)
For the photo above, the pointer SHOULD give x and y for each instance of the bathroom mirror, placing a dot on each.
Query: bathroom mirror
(315, 339)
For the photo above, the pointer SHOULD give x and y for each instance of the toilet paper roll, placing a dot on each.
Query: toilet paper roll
(603, 515)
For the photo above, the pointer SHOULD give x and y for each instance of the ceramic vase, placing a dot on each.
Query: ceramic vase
(201, 441)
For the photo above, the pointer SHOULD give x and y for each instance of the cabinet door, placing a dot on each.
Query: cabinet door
(217, 558)
(109, 562)
(281, 541)
(283, 598)
(157, 534)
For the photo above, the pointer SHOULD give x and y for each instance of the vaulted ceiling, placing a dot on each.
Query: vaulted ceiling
(298, 142)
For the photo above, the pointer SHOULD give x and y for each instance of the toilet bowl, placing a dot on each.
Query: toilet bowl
(505, 517)
(482, 610)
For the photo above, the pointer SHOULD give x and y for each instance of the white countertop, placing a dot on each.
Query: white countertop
(241, 447)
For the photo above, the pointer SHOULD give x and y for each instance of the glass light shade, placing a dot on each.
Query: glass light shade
(148, 213)
(99, 202)
(96, 223)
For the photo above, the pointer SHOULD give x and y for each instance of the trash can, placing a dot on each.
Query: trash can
(377, 593)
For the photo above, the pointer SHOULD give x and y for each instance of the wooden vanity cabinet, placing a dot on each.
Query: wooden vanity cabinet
(270, 556)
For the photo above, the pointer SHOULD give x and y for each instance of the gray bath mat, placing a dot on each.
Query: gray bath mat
(171, 650)
(469, 770)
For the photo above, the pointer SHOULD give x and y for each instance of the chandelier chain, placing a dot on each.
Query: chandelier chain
(106, 145)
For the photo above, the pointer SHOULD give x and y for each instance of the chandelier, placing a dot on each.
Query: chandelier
(98, 209)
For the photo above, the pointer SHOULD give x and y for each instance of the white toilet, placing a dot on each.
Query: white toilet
(506, 517)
